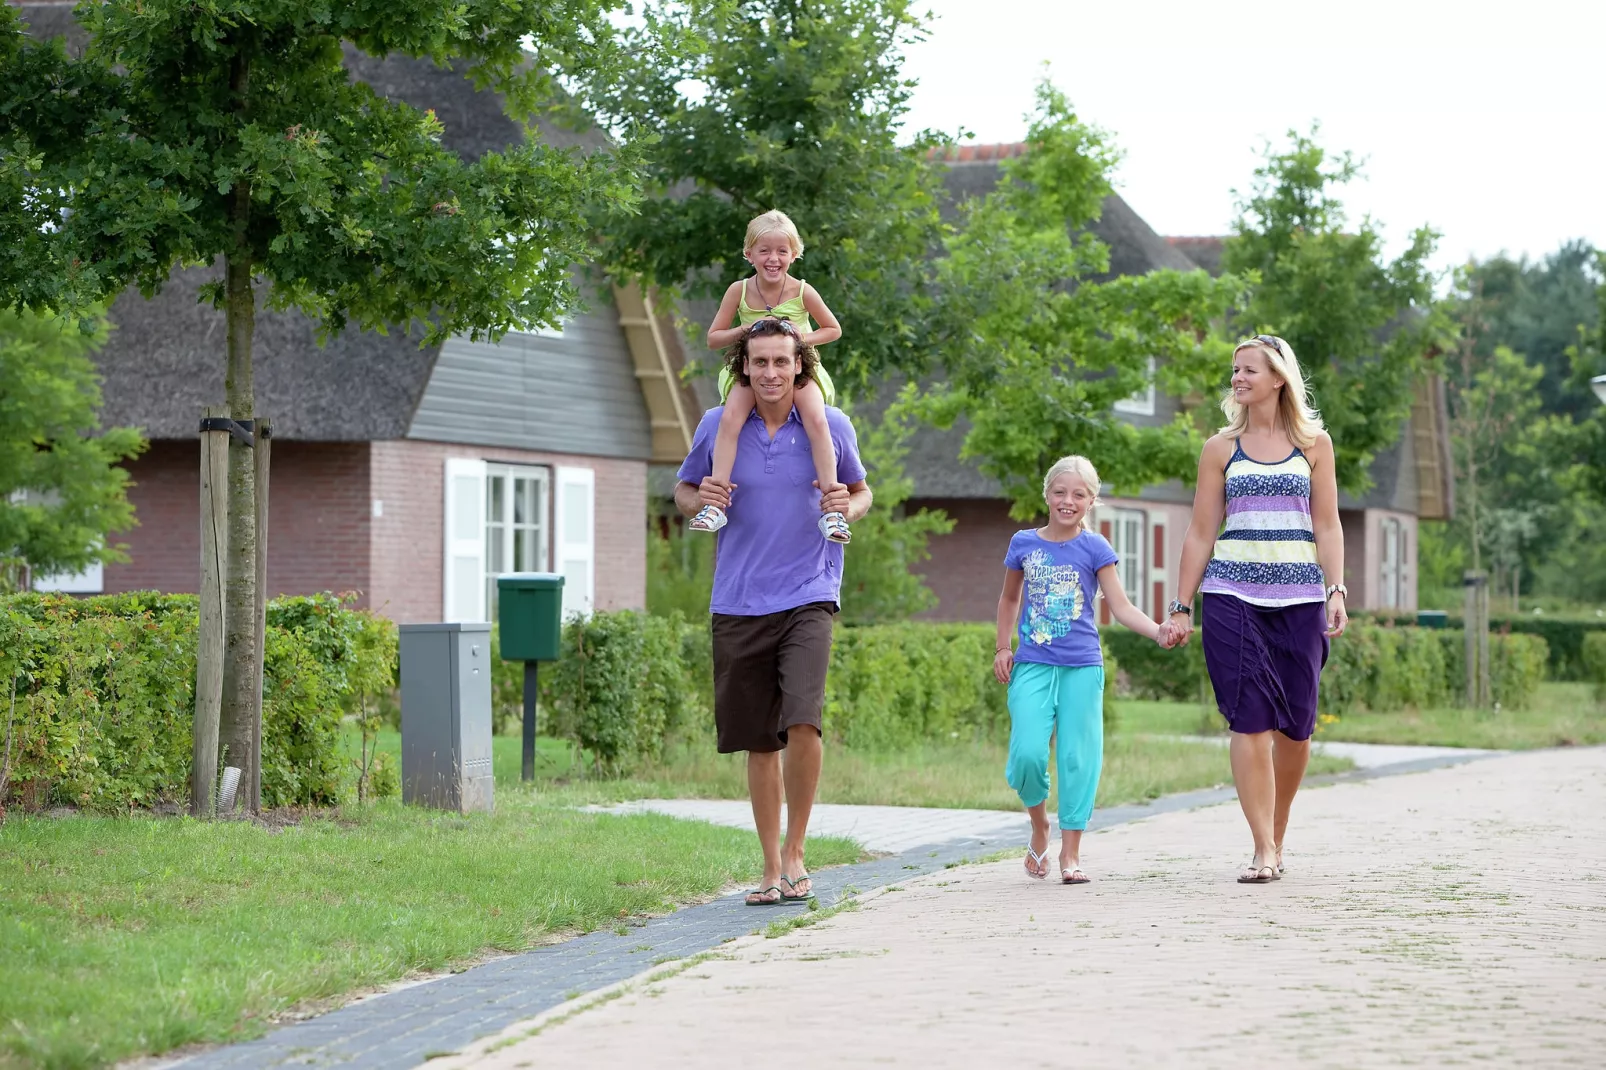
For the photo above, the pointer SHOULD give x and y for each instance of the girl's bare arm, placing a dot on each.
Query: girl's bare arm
(828, 329)
(1121, 607)
(720, 332)
(1008, 620)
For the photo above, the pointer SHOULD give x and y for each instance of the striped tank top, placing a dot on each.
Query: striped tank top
(1266, 552)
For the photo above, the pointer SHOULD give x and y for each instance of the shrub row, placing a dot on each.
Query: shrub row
(1593, 656)
(1564, 637)
(97, 697)
(1371, 666)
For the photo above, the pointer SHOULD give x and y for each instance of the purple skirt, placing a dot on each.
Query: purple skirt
(1265, 663)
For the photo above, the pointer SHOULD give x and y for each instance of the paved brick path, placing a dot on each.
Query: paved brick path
(1446, 917)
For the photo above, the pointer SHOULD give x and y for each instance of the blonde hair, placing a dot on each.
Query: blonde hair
(1294, 411)
(1075, 465)
(773, 222)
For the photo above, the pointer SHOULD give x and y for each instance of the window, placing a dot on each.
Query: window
(1126, 537)
(1141, 403)
(1389, 594)
(516, 500)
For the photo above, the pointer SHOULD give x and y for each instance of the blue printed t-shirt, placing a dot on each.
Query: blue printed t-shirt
(770, 557)
(1057, 621)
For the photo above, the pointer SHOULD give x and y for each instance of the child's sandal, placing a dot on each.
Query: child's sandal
(708, 518)
(834, 526)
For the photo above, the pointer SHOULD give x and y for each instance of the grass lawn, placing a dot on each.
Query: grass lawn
(124, 935)
(1562, 715)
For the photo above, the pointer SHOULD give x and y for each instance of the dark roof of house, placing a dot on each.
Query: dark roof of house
(1135, 249)
(1204, 251)
(165, 358)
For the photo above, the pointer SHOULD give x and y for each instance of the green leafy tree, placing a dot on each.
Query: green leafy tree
(1537, 308)
(1359, 323)
(881, 582)
(61, 490)
(199, 131)
(1036, 352)
(789, 104)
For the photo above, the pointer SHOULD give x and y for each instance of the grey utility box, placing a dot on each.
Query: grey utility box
(446, 716)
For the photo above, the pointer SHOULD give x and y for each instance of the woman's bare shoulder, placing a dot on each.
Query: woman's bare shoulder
(1217, 447)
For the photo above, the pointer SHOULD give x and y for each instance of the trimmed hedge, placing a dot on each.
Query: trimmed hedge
(1563, 636)
(1593, 656)
(98, 696)
(626, 682)
(1372, 666)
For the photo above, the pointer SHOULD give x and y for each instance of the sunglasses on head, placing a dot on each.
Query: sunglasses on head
(1262, 339)
(773, 326)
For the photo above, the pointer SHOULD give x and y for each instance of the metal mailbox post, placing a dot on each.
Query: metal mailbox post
(530, 609)
(446, 716)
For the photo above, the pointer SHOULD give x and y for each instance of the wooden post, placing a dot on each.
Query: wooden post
(209, 639)
(263, 436)
(527, 773)
(1485, 691)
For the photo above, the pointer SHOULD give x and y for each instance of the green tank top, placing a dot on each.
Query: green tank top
(790, 309)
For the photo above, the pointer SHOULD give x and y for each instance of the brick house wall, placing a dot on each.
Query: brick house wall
(323, 534)
(966, 569)
(408, 549)
(317, 519)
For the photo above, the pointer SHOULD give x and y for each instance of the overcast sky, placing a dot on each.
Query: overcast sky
(1484, 120)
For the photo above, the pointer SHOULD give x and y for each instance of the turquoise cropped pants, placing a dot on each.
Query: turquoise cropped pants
(1067, 703)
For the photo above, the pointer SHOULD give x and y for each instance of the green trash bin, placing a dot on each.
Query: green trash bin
(530, 615)
(1432, 618)
(530, 622)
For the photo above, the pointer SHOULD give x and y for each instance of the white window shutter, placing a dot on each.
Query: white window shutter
(463, 581)
(574, 537)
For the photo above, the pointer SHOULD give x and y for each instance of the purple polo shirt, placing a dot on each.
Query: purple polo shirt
(771, 556)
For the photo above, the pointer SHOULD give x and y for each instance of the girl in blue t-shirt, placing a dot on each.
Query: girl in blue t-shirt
(1056, 677)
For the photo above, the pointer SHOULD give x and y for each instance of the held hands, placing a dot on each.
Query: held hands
(1180, 627)
(715, 492)
(834, 498)
(1003, 664)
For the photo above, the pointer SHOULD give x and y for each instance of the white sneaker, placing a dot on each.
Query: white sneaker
(709, 518)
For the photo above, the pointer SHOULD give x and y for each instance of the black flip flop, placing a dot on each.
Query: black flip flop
(790, 883)
(765, 902)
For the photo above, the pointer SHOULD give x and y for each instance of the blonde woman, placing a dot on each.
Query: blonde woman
(1056, 675)
(1266, 551)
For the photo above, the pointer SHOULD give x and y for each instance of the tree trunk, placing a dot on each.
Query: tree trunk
(242, 667)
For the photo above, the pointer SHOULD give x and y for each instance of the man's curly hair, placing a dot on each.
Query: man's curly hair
(808, 358)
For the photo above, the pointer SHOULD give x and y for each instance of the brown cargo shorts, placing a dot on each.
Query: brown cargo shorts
(769, 674)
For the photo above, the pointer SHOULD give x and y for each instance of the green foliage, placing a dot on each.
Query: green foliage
(187, 132)
(1593, 656)
(1036, 352)
(897, 685)
(619, 687)
(680, 572)
(105, 696)
(881, 582)
(767, 104)
(61, 491)
(1359, 324)
(1370, 667)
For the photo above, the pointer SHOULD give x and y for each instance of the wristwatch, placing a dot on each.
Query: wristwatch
(1338, 588)
(1178, 607)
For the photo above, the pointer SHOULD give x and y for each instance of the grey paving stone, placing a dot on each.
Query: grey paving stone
(406, 1027)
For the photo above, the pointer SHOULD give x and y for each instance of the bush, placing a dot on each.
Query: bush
(104, 696)
(1372, 666)
(1564, 637)
(620, 687)
(1593, 657)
